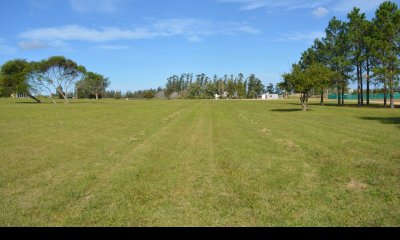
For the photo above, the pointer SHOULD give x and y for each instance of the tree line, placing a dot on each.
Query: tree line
(201, 86)
(358, 51)
(55, 77)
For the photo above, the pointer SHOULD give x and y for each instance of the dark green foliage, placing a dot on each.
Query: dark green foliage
(204, 87)
(55, 75)
(254, 86)
(149, 94)
(118, 95)
(92, 86)
(270, 88)
(386, 47)
(304, 81)
(13, 77)
(361, 50)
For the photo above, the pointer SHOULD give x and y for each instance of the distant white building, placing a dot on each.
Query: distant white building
(267, 96)
(217, 96)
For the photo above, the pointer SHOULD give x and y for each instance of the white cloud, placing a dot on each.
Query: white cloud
(39, 44)
(41, 4)
(192, 29)
(194, 39)
(75, 32)
(277, 5)
(112, 47)
(320, 12)
(320, 7)
(309, 37)
(31, 45)
(248, 29)
(101, 6)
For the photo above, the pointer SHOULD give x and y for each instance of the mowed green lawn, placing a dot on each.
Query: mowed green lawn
(198, 163)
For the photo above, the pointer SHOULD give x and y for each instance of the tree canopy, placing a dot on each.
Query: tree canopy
(305, 81)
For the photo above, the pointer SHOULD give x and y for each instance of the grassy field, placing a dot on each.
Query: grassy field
(198, 163)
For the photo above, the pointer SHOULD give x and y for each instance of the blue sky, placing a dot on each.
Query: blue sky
(139, 43)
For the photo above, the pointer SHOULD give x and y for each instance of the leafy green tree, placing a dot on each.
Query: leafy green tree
(386, 46)
(14, 76)
(285, 87)
(314, 55)
(117, 95)
(194, 90)
(149, 94)
(254, 86)
(270, 88)
(370, 60)
(357, 30)
(306, 81)
(241, 86)
(94, 84)
(336, 50)
(56, 74)
(210, 90)
(230, 88)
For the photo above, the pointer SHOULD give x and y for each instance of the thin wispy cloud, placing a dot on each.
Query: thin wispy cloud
(31, 45)
(39, 44)
(319, 8)
(320, 12)
(277, 5)
(307, 37)
(112, 47)
(193, 30)
(42, 4)
(81, 33)
(100, 6)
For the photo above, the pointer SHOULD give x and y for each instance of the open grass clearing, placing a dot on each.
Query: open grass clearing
(198, 163)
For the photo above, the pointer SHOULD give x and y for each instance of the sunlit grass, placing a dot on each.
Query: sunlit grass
(198, 163)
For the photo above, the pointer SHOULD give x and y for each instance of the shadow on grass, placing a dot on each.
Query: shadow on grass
(27, 103)
(348, 105)
(59, 103)
(286, 110)
(384, 120)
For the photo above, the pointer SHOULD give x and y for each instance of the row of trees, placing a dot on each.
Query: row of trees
(55, 76)
(361, 51)
(202, 86)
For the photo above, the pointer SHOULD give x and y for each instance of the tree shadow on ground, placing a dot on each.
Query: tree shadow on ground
(286, 110)
(346, 105)
(27, 103)
(59, 103)
(384, 120)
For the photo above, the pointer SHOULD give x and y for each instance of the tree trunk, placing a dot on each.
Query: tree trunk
(97, 96)
(64, 96)
(33, 97)
(303, 100)
(361, 86)
(304, 106)
(391, 93)
(368, 83)
(339, 96)
(358, 86)
(385, 95)
(343, 96)
(322, 98)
